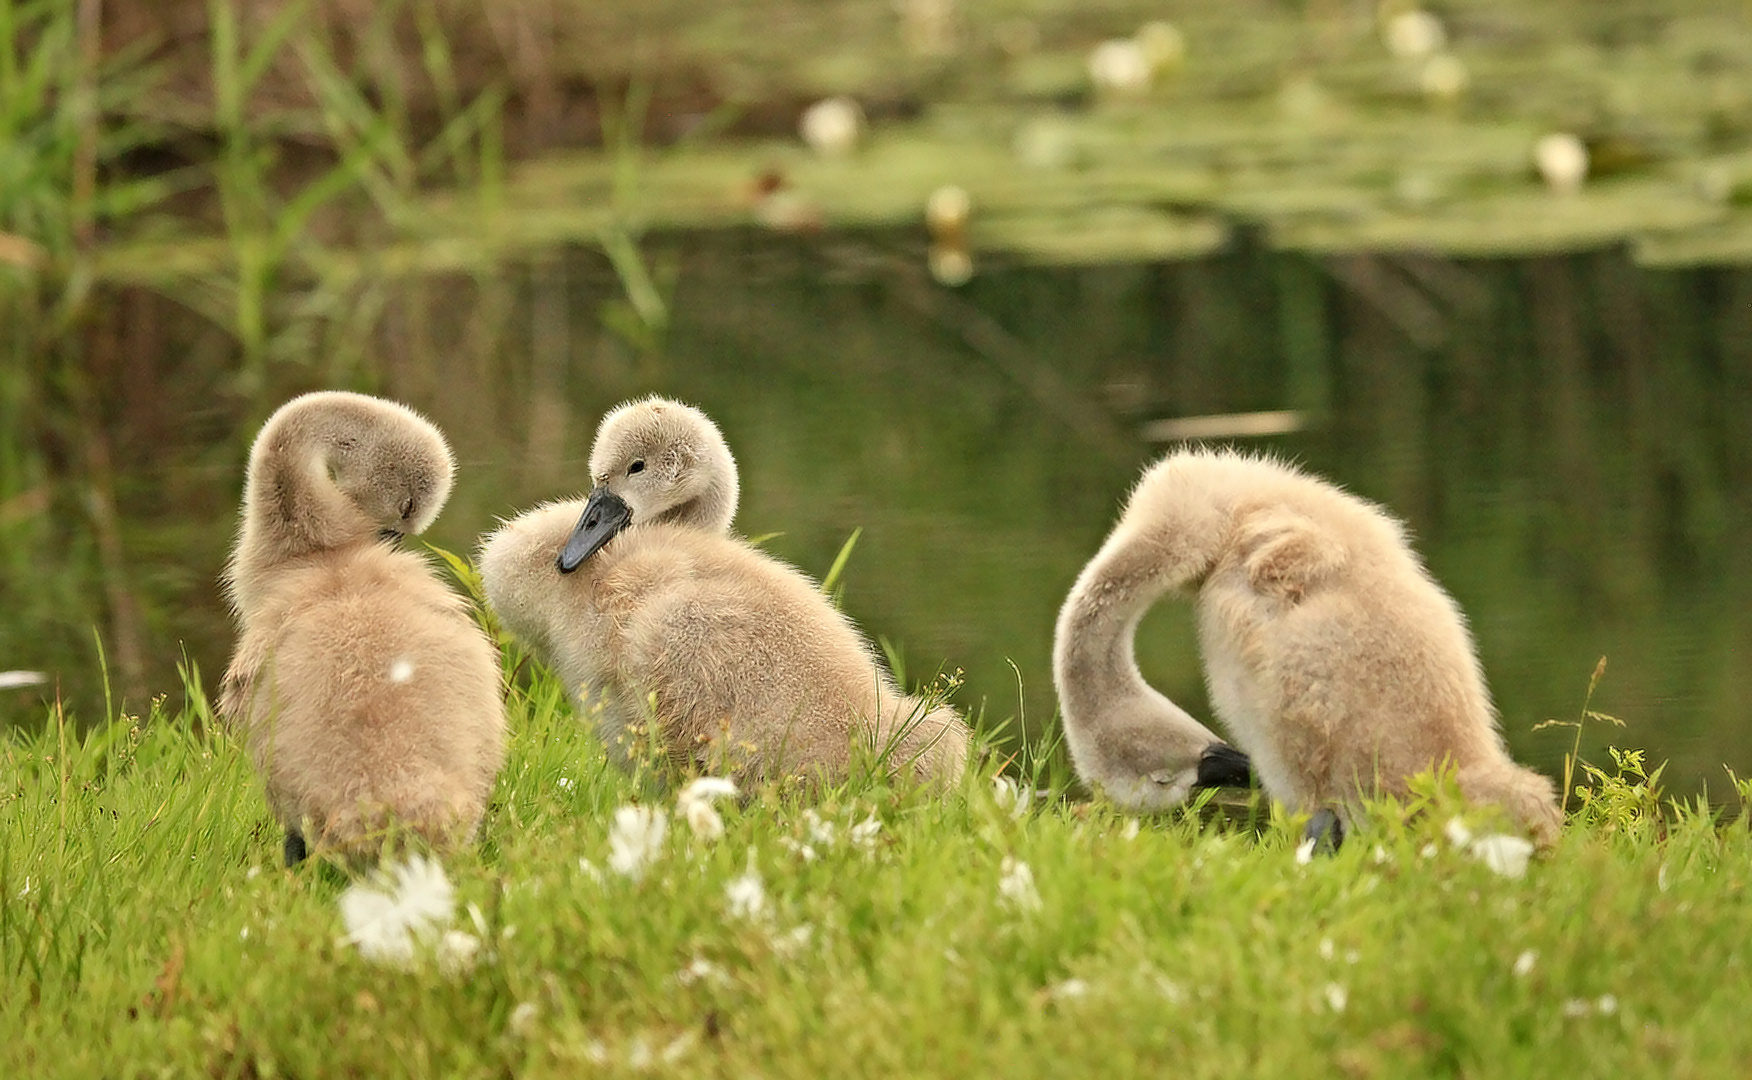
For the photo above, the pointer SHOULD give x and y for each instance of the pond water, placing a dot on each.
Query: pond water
(1570, 440)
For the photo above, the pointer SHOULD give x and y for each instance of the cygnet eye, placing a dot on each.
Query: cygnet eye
(638, 466)
(407, 507)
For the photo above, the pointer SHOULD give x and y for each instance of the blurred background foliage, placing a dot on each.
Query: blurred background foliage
(514, 214)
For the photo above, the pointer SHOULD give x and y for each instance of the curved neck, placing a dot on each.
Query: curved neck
(1095, 660)
(712, 510)
(291, 508)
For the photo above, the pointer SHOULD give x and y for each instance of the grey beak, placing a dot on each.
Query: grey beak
(1221, 765)
(605, 515)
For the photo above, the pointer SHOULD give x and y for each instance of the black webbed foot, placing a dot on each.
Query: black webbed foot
(295, 849)
(1326, 830)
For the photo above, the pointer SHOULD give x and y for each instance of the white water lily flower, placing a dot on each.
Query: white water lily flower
(1506, 855)
(1016, 885)
(635, 840)
(832, 126)
(412, 898)
(1413, 34)
(1562, 160)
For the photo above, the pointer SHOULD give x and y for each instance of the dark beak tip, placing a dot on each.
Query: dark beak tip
(605, 515)
(1221, 765)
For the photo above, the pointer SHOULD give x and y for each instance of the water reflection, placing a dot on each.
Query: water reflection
(1567, 437)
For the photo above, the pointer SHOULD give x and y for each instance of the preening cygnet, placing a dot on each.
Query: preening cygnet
(644, 606)
(367, 695)
(1332, 657)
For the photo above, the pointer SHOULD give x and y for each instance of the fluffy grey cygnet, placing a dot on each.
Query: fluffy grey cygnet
(367, 695)
(646, 607)
(1332, 657)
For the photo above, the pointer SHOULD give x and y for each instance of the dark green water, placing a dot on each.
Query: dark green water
(1570, 439)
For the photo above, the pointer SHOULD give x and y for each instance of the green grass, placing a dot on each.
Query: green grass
(146, 929)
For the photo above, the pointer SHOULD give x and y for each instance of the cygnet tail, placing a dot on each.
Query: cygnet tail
(1529, 797)
(929, 746)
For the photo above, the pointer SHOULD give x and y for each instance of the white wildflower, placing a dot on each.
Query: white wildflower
(1069, 990)
(252, 873)
(1305, 852)
(1575, 1008)
(591, 871)
(457, 952)
(1337, 997)
(636, 839)
(798, 848)
(1380, 856)
(1524, 963)
(565, 783)
(1458, 834)
(699, 969)
(640, 1056)
(522, 1021)
(820, 828)
(1351, 956)
(1607, 1005)
(1506, 855)
(1011, 796)
(1130, 832)
(1327, 952)
(863, 835)
(694, 804)
(679, 1047)
(745, 897)
(702, 820)
(1428, 851)
(596, 1052)
(1016, 885)
(793, 941)
(243, 934)
(412, 898)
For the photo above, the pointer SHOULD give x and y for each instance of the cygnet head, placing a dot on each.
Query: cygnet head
(332, 468)
(654, 460)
